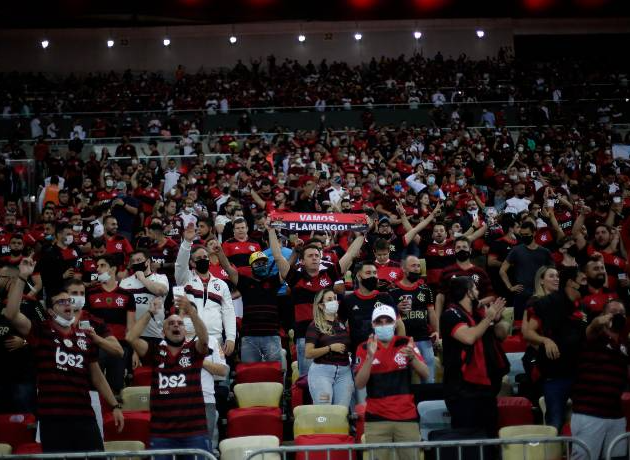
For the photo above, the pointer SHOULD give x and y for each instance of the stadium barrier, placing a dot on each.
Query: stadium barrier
(622, 438)
(530, 448)
(196, 454)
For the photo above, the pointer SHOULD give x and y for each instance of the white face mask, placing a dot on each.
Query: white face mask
(547, 148)
(104, 277)
(188, 325)
(513, 177)
(382, 182)
(78, 301)
(77, 228)
(520, 149)
(68, 240)
(331, 307)
(109, 183)
(63, 322)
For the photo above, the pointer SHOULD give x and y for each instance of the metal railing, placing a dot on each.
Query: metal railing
(530, 448)
(196, 454)
(615, 446)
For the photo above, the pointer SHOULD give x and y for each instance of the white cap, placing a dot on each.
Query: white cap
(383, 310)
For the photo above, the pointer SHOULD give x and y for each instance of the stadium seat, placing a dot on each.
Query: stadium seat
(295, 373)
(16, 429)
(359, 426)
(516, 366)
(439, 370)
(324, 439)
(514, 344)
(5, 449)
(514, 410)
(259, 372)
(508, 316)
(506, 387)
(320, 419)
(240, 448)
(267, 394)
(136, 398)
(255, 421)
(28, 448)
(533, 451)
(142, 376)
(136, 427)
(117, 446)
(433, 416)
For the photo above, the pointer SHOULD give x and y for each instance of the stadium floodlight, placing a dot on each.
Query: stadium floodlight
(480, 33)
(45, 43)
(110, 43)
(358, 36)
(417, 35)
(166, 41)
(301, 38)
(233, 39)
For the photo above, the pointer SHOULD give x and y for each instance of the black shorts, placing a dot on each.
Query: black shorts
(76, 434)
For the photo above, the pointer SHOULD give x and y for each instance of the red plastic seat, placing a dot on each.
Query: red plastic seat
(142, 376)
(255, 421)
(16, 429)
(28, 448)
(360, 425)
(136, 427)
(514, 410)
(514, 344)
(625, 406)
(323, 439)
(270, 371)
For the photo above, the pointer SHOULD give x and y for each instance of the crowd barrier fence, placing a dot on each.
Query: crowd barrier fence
(614, 443)
(196, 454)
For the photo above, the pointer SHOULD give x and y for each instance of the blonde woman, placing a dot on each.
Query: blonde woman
(328, 345)
(546, 281)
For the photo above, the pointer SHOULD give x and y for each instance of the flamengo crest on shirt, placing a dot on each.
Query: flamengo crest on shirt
(312, 221)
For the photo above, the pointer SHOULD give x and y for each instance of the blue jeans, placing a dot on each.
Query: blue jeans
(426, 350)
(556, 392)
(330, 384)
(255, 349)
(191, 442)
(303, 362)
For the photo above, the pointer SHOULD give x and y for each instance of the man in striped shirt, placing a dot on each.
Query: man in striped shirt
(178, 414)
(66, 359)
(602, 376)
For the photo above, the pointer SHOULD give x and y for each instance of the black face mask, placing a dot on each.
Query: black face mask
(573, 250)
(462, 255)
(139, 267)
(413, 276)
(202, 265)
(9, 227)
(16, 252)
(173, 343)
(526, 240)
(618, 322)
(597, 282)
(369, 283)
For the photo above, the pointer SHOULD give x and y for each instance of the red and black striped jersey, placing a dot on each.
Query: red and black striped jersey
(63, 373)
(174, 228)
(238, 252)
(177, 407)
(389, 395)
(111, 307)
(165, 253)
(479, 276)
(438, 257)
(147, 198)
(260, 303)
(303, 290)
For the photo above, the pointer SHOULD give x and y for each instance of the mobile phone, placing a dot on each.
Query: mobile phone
(293, 237)
(84, 324)
(551, 203)
(617, 199)
(178, 291)
(622, 276)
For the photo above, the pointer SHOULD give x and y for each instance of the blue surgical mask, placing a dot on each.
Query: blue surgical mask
(384, 333)
(430, 180)
(260, 271)
(460, 182)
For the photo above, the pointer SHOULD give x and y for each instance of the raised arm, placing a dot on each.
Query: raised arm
(577, 228)
(276, 250)
(215, 248)
(182, 271)
(139, 345)
(14, 299)
(411, 234)
(352, 253)
(186, 307)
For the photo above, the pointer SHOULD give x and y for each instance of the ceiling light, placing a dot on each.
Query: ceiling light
(166, 41)
(358, 36)
(480, 33)
(233, 39)
(417, 35)
(45, 44)
(110, 43)
(301, 38)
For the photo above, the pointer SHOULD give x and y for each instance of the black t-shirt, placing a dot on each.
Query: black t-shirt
(357, 309)
(396, 244)
(339, 335)
(526, 263)
(260, 303)
(417, 319)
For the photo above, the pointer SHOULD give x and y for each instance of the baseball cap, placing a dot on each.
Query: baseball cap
(383, 310)
(383, 220)
(257, 256)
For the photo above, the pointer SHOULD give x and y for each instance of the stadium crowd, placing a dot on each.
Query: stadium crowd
(178, 267)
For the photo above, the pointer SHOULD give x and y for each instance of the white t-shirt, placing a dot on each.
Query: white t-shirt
(519, 204)
(170, 180)
(143, 298)
(216, 356)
